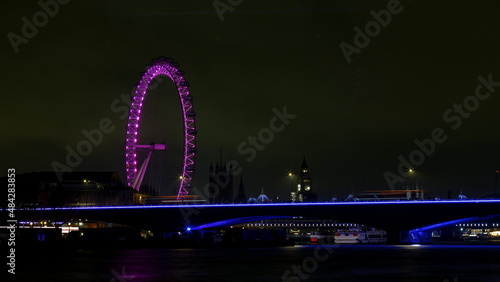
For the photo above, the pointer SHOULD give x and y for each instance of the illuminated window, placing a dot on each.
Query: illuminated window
(298, 187)
(308, 188)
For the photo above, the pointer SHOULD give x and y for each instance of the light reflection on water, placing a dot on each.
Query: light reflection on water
(346, 263)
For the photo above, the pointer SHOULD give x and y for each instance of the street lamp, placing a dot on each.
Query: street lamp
(292, 192)
(413, 182)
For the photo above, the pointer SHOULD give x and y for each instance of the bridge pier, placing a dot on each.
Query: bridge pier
(450, 234)
(402, 237)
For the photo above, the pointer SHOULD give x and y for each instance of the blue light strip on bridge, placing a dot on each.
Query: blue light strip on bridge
(451, 222)
(235, 221)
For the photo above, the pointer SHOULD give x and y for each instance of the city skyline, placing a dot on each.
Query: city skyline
(407, 91)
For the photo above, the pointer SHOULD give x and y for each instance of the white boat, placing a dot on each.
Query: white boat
(318, 237)
(373, 237)
(347, 237)
(360, 237)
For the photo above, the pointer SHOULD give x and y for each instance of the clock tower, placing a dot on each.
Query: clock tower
(304, 185)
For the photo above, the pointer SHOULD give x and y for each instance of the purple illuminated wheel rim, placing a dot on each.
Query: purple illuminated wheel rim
(162, 66)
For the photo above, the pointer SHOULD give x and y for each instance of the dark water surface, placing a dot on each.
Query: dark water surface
(317, 263)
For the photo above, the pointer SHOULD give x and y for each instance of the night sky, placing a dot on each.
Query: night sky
(352, 120)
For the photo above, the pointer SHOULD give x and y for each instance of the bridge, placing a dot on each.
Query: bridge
(397, 218)
(402, 217)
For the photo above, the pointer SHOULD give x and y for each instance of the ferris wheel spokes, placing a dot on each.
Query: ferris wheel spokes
(142, 170)
(161, 66)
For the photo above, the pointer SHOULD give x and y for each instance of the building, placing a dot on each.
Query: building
(78, 188)
(241, 198)
(304, 192)
(220, 182)
(263, 199)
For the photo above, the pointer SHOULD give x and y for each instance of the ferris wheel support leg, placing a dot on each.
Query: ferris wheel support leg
(142, 171)
(140, 174)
